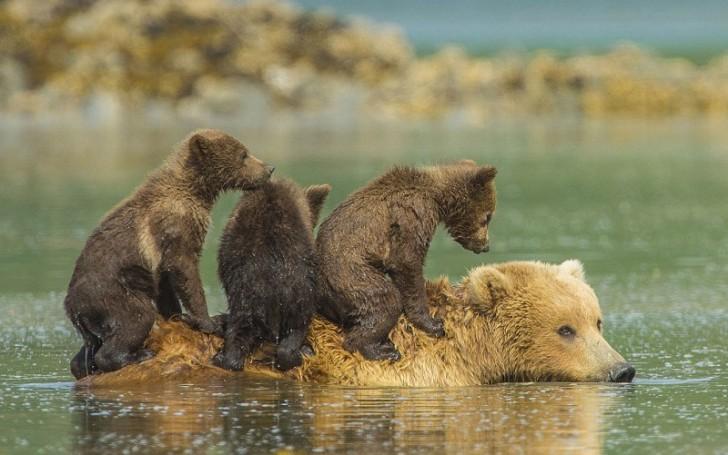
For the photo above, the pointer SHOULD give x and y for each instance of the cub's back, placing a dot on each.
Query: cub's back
(361, 224)
(114, 242)
(268, 232)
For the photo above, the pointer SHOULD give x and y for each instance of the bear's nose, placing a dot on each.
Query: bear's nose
(624, 372)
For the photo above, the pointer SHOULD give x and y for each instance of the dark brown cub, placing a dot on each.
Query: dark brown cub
(143, 258)
(268, 267)
(372, 248)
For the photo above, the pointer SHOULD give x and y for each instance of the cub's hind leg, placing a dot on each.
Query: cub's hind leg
(124, 342)
(377, 308)
(240, 339)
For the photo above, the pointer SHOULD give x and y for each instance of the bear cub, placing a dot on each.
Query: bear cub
(142, 259)
(268, 268)
(372, 248)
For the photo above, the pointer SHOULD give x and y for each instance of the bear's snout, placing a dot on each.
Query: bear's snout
(623, 372)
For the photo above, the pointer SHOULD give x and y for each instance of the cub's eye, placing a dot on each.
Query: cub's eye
(566, 331)
(487, 219)
(599, 325)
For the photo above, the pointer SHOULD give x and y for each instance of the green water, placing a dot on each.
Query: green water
(642, 204)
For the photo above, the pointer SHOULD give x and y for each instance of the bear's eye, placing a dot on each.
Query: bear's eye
(599, 324)
(566, 331)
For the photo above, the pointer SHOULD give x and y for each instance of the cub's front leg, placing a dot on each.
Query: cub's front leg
(409, 241)
(411, 284)
(186, 282)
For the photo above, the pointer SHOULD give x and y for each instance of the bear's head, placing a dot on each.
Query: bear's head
(221, 162)
(546, 322)
(468, 202)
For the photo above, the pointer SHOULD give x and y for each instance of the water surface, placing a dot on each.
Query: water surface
(490, 26)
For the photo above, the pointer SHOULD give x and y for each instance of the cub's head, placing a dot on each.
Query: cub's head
(469, 195)
(547, 322)
(224, 162)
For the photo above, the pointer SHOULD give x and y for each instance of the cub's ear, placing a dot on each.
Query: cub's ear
(486, 286)
(482, 176)
(316, 195)
(466, 162)
(572, 267)
(199, 144)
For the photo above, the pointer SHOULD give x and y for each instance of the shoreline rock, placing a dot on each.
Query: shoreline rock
(209, 57)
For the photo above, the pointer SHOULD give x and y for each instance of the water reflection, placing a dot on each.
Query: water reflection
(239, 414)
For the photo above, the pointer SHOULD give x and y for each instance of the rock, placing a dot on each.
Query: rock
(212, 56)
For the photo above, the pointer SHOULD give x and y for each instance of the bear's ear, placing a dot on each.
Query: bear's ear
(466, 162)
(316, 195)
(199, 144)
(486, 286)
(482, 176)
(572, 267)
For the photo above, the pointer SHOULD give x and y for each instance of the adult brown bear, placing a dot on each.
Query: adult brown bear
(517, 321)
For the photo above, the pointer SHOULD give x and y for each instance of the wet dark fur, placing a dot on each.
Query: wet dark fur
(143, 257)
(372, 248)
(267, 266)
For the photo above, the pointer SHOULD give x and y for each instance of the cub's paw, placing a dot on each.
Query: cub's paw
(221, 361)
(307, 351)
(382, 351)
(434, 327)
(142, 355)
(437, 329)
(185, 319)
(217, 360)
(288, 360)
